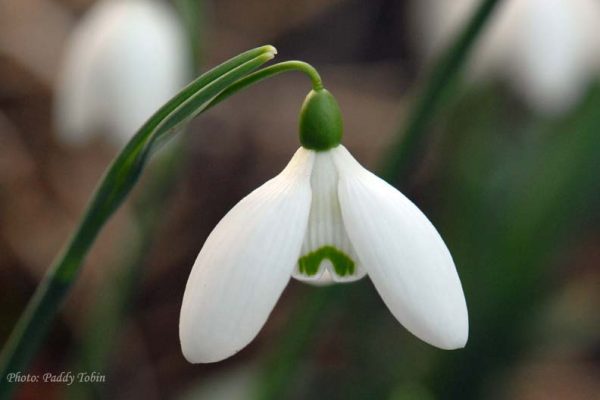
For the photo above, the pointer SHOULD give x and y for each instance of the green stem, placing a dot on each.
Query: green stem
(403, 154)
(118, 181)
(268, 72)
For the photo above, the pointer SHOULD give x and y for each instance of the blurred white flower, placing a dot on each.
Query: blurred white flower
(124, 60)
(548, 50)
(323, 217)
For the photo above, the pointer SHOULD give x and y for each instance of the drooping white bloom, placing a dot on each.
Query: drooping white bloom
(324, 217)
(548, 50)
(124, 60)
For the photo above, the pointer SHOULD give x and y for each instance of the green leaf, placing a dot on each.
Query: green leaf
(115, 185)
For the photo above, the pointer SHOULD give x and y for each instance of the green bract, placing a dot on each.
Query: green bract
(320, 121)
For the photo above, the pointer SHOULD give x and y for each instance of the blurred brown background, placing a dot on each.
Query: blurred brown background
(487, 168)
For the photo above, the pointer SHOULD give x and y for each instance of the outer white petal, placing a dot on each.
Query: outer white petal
(245, 264)
(124, 60)
(403, 254)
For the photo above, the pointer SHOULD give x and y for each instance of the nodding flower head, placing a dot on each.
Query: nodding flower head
(547, 50)
(124, 59)
(323, 219)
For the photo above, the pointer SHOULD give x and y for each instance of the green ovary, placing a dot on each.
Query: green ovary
(342, 264)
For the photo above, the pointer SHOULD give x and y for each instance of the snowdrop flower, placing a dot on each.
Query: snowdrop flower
(124, 60)
(323, 218)
(548, 50)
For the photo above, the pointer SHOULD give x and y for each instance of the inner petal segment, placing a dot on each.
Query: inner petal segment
(327, 254)
(342, 264)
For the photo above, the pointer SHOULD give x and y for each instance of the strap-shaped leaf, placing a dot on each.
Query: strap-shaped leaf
(115, 185)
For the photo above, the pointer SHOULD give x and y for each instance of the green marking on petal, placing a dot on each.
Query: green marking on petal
(342, 264)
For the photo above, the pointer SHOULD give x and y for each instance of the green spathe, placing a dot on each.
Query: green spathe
(320, 121)
(342, 264)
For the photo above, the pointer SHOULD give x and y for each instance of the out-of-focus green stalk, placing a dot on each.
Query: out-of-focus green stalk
(404, 152)
(287, 353)
(192, 14)
(116, 184)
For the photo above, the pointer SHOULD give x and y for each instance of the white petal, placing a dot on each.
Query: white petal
(556, 52)
(403, 254)
(245, 264)
(548, 50)
(123, 61)
(327, 255)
